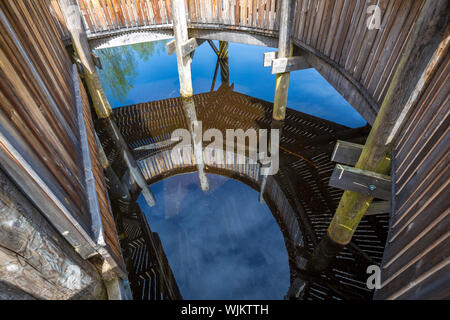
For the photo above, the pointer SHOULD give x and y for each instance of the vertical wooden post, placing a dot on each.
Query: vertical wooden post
(224, 67)
(74, 23)
(80, 43)
(285, 49)
(186, 92)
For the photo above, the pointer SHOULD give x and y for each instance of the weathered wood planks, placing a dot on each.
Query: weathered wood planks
(41, 126)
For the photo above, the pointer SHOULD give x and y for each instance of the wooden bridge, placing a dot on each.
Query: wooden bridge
(332, 35)
(395, 76)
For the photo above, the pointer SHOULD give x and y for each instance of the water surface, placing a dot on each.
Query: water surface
(222, 244)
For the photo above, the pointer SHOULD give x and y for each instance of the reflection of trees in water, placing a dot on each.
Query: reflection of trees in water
(120, 65)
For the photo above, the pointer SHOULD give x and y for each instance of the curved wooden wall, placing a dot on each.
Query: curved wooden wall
(40, 145)
(416, 262)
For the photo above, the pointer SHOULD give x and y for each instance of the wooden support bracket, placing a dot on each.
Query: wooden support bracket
(171, 47)
(190, 45)
(186, 48)
(283, 65)
(347, 152)
(361, 181)
(268, 57)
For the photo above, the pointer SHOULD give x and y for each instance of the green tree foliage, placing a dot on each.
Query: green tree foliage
(120, 66)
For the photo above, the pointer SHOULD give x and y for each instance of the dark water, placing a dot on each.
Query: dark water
(222, 244)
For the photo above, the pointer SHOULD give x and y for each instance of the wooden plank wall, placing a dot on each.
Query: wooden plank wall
(38, 118)
(38, 109)
(241, 14)
(336, 31)
(416, 262)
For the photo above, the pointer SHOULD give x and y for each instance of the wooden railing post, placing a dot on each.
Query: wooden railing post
(184, 73)
(72, 16)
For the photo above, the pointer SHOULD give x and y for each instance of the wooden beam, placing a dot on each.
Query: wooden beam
(100, 102)
(75, 26)
(223, 60)
(213, 46)
(424, 48)
(190, 46)
(364, 182)
(91, 191)
(97, 60)
(346, 152)
(282, 65)
(285, 49)
(171, 47)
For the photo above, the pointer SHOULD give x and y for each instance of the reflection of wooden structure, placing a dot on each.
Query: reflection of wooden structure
(395, 76)
(298, 196)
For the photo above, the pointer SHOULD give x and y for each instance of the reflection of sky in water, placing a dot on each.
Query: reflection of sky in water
(157, 78)
(220, 245)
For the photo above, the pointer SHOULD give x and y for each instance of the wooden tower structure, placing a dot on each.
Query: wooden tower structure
(71, 168)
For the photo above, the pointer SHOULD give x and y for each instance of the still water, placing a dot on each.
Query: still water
(222, 244)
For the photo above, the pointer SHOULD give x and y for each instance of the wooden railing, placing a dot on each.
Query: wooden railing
(103, 16)
(106, 15)
(259, 14)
